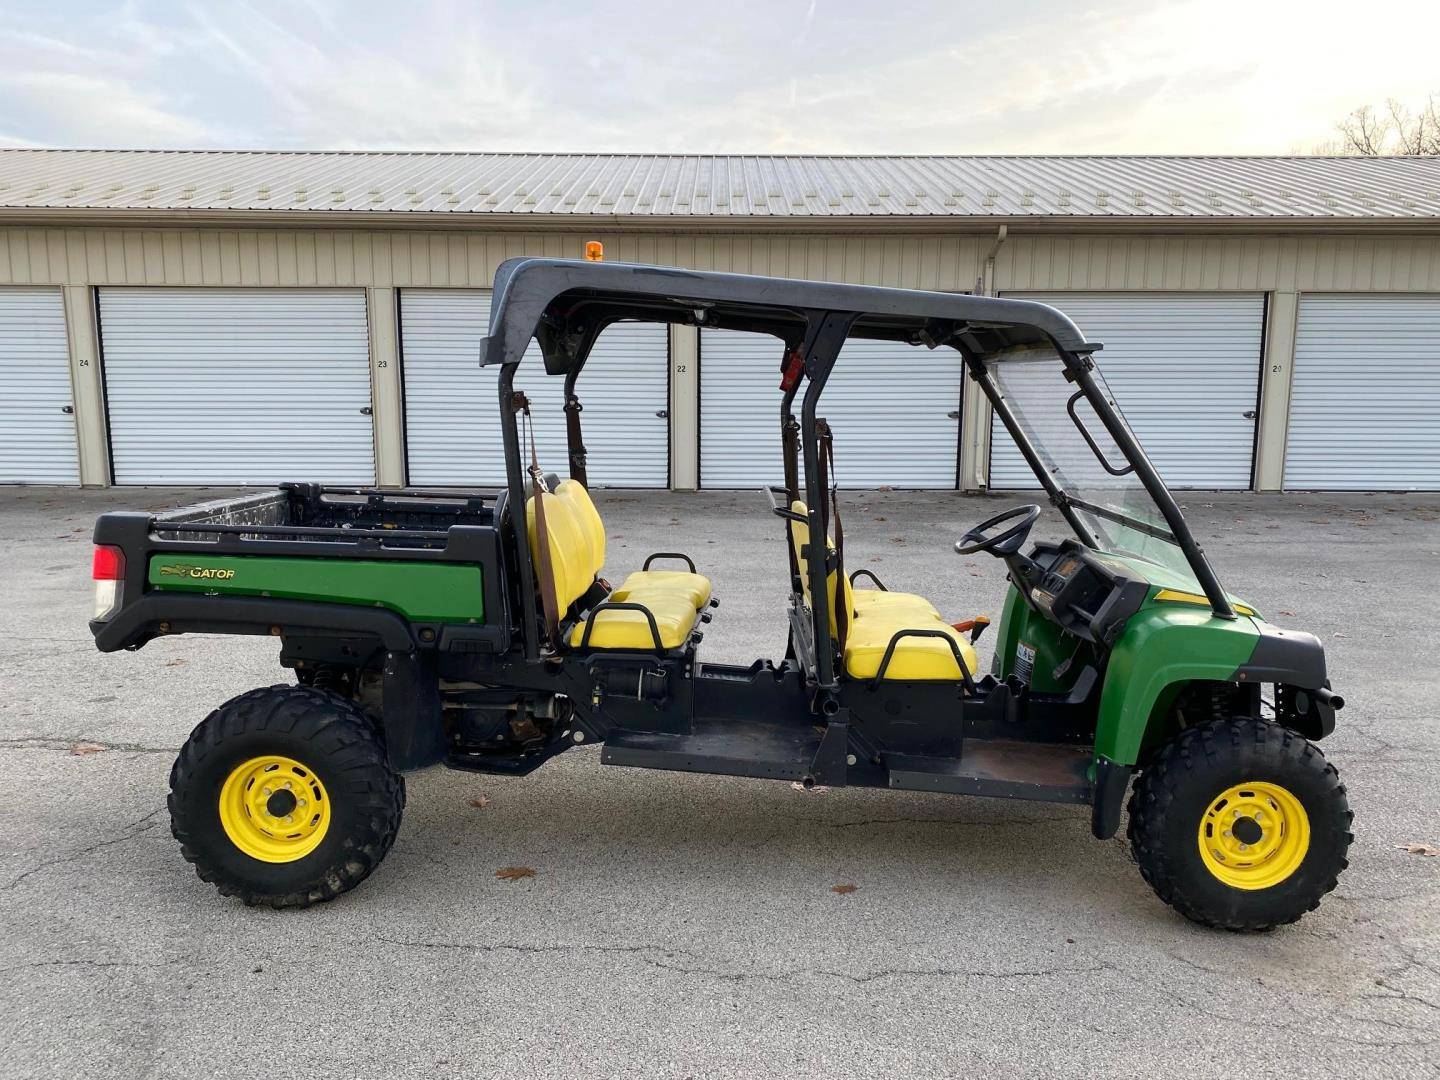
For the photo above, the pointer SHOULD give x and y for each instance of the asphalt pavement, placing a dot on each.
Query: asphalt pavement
(689, 926)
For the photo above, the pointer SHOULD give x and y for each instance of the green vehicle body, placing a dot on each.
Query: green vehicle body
(419, 592)
(1165, 647)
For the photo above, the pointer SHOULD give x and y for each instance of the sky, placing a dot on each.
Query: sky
(752, 76)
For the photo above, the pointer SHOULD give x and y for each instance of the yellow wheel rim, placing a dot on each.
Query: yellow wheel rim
(1254, 836)
(274, 809)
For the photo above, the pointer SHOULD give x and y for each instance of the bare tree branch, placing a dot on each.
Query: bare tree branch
(1396, 132)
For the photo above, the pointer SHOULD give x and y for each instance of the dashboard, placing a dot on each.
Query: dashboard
(1086, 596)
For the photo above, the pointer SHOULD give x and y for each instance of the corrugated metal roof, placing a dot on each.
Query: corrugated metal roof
(702, 186)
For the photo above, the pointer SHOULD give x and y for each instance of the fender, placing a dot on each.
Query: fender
(159, 613)
(1160, 651)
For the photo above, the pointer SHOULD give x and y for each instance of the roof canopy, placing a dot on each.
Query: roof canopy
(694, 187)
(567, 303)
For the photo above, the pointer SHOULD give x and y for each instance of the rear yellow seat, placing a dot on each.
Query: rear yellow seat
(577, 554)
(877, 615)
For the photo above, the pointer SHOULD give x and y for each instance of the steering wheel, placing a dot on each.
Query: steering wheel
(1002, 544)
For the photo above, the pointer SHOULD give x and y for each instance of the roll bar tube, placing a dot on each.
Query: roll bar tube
(515, 482)
(1080, 367)
(824, 335)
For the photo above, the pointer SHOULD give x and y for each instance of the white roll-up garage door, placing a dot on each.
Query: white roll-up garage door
(237, 386)
(894, 408)
(37, 425)
(452, 412)
(1185, 371)
(1365, 398)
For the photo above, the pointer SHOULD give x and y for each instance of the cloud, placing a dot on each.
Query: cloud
(929, 76)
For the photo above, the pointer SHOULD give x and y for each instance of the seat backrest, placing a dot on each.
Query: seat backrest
(799, 540)
(572, 551)
(574, 493)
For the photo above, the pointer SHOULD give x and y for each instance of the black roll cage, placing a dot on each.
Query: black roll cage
(567, 304)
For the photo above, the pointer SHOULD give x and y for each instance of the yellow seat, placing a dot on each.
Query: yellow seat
(858, 601)
(577, 554)
(890, 603)
(914, 657)
(876, 616)
(624, 629)
(692, 587)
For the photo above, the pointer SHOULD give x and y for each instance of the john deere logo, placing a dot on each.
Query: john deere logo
(185, 570)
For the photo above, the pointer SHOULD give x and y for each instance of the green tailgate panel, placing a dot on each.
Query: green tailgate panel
(420, 591)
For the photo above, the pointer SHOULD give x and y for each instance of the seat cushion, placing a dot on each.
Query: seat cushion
(674, 615)
(914, 657)
(878, 601)
(694, 587)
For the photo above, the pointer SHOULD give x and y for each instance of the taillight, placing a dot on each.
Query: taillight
(108, 572)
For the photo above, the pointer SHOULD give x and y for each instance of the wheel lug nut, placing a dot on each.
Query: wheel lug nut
(1227, 832)
(287, 785)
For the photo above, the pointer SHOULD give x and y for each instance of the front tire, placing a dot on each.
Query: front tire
(284, 796)
(1240, 825)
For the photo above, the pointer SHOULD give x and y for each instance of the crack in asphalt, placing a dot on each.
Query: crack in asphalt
(132, 831)
(643, 953)
(67, 742)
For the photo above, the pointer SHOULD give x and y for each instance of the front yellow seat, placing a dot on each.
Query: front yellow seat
(858, 601)
(914, 657)
(876, 616)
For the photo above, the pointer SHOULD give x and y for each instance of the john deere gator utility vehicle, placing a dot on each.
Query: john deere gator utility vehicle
(475, 629)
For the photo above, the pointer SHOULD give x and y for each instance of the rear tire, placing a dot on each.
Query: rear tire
(333, 813)
(1240, 825)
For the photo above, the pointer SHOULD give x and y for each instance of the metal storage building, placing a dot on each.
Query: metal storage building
(242, 317)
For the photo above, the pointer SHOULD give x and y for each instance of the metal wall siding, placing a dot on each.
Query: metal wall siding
(888, 404)
(1365, 397)
(237, 386)
(1184, 368)
(37, 437)
(452, 430)
(1026, 263)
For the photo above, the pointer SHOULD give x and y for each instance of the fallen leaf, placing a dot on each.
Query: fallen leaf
(80, 749)
(514, 873)
(174, 663)
(480, 802)
(1290, 613)
(897, 539)
(843, 890)
(1420, 849)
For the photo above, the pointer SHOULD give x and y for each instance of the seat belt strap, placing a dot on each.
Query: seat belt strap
(827, 468)
(574, 443)
(549, 599)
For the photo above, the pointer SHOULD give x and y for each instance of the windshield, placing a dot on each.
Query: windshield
(1108, 498)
